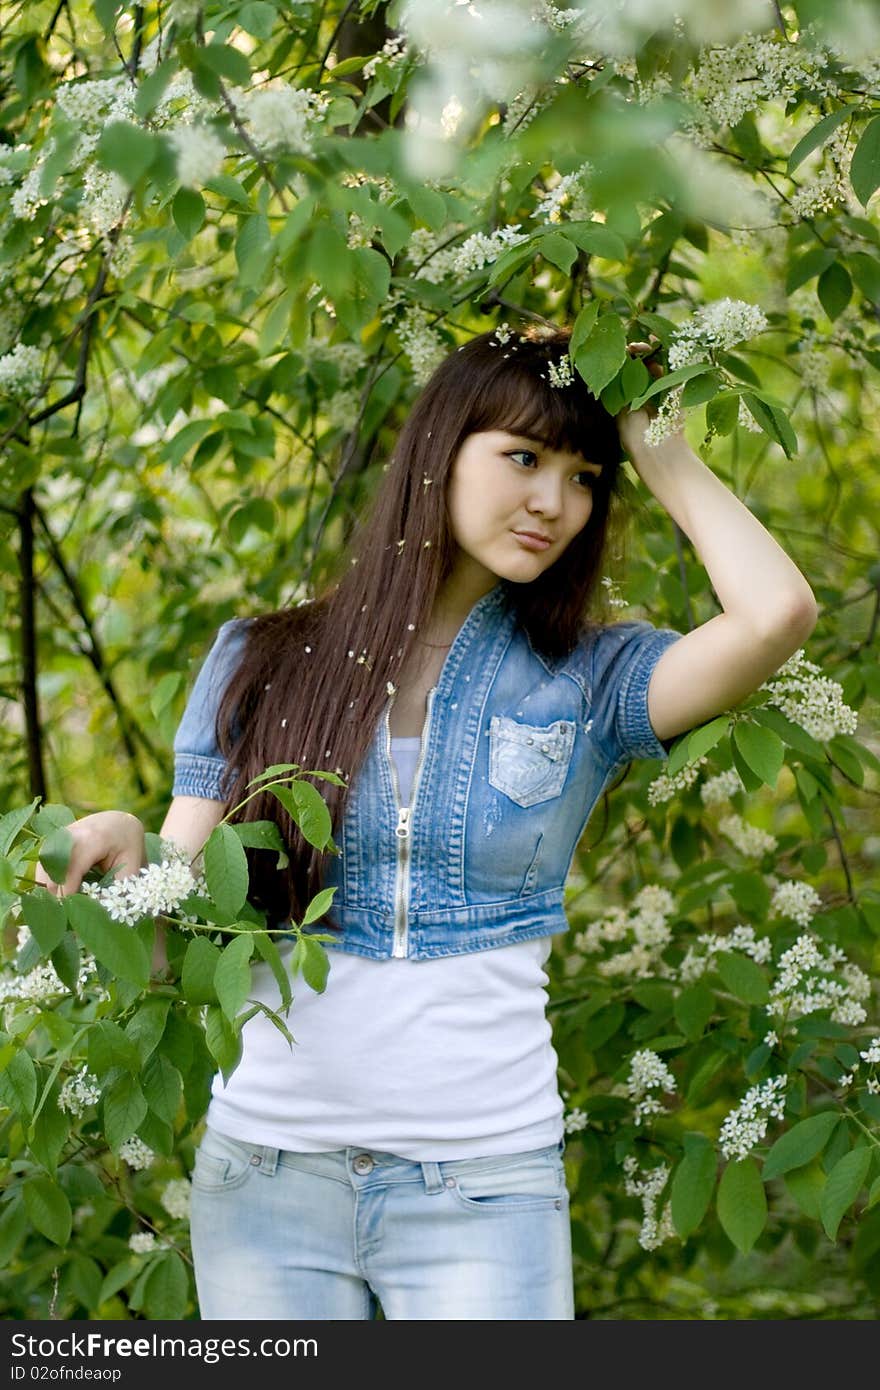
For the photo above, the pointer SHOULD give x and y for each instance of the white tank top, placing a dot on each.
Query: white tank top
(443, 1058)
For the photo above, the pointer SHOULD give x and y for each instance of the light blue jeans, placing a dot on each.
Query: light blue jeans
(279, 1235)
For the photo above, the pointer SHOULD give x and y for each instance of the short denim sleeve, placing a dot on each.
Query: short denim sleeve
(198, 762)
(623, 656)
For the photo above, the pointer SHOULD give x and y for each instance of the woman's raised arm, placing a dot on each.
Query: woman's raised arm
(769, 608)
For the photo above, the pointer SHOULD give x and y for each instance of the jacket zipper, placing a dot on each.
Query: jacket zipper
(403, 831)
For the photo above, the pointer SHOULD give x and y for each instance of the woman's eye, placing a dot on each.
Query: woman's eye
(515, 452)
(586, 479)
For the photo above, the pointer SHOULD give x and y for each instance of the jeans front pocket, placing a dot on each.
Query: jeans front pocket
(529, 762)
(527, 1182)
(223, 1164)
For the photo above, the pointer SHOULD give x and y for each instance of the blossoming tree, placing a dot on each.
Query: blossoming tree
(232, 245)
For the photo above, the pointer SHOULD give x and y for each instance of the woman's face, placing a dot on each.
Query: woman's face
(503, 485)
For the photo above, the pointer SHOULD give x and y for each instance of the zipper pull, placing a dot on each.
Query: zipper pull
(402, 830)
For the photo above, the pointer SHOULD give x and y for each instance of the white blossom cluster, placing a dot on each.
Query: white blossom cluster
(560, 372)
(749, 839)
(648, 1073)
(718, 789)
(813, 361)
(795, 899)
(360, 233)
(804, 983)
(104, 195)
(43, 982)
(21, 371)
(569, 193)
(422, 345)
(545, 12)
(810, 699)
(282, 117)
(731, 80)
(664, 787)
(347, 357)
(136, 1153)
(522, 109)
(746, 1125)
(830, 185)
(142, 1242)
(393, 54)
(199, 152)
(157, 890)
(433, 260)
(614, 598)
(648, 1188)
(176, 1197)
(700, 955)
(342, 409)
(644, 924)
(79, 1092)
(482, 248)
(575, 1120)
(716, 326)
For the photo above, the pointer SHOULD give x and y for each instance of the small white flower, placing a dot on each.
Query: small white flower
(575, 1120)
(142, 1242)
(136, 1154)
(79, 1091)
(176, 1197)
(200, 154)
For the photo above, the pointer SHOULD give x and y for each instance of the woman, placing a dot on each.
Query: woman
(408, 1149)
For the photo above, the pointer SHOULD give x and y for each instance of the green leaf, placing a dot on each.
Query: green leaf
(697, 742)
(13, 1225)
(701, 389)
(224, 1042)
(112, 943)
(253, 247)
(66, 959)
(692, 1185)
(18, 1083)
(197, 976)
(45, 916)
(49, 1133)
(147, 1025)
(271, 955)
(13, 822)
(315, 964)
(864, 170)
(258, 18)
(817, 136)
(308, 809)
(48, 1208)
(232, 977)
(603, 354)
(597, 240)
(127, 150)
(55, 853)
(670, 379)
(226, 62)
(790, 732)
(693, 1008)
(722, 413)
(865, 271)
(226, 869)
(150, 91)
(318, 906)
(124, 1108)
(843, 1185)
(761, 748)
(428, 206)
(558, 250)
(163, 1087)
(834, 289)
(259, 834)
(188, 211)
(742, 977)
(807, 267)
(110, 1047)
(806, 1186)
(166, 1289)
(799, 1144)
(741, 1203)
(773, 421)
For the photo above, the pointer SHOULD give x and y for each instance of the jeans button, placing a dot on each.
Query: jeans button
(363, 1164)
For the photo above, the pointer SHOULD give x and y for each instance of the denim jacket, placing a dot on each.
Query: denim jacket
(516, 751)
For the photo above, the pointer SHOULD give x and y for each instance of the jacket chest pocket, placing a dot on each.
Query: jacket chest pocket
(529, 762)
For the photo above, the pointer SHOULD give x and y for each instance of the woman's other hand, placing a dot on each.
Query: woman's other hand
(105, 840)
(631, 424)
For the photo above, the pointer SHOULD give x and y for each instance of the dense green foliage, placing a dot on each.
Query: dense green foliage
(234, 239)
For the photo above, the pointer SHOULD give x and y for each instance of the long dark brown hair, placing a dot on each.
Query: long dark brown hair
(313, 680)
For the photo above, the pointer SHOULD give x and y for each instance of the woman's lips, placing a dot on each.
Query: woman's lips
(530, 542)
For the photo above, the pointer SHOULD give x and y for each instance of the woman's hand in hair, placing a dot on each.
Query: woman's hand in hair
(105, 840)
(631, 424)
